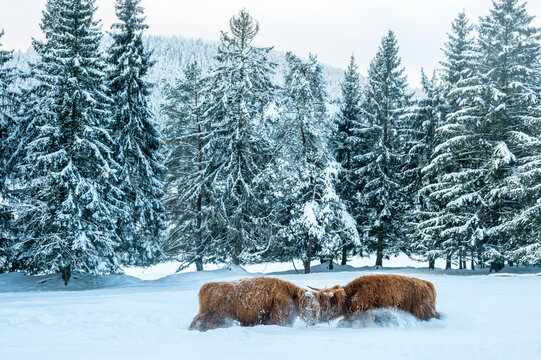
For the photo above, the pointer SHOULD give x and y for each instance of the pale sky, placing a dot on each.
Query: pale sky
(332, 29)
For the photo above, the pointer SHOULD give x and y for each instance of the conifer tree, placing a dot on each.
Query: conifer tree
(308, 155)
(510, 70)
(236, 153)
(7, 130)
(348, 117)
(380, 157)
(419, 123)
(314, 220)
(137, 146)
(186, 185)
(339, 229)
(67, 222)
(459, 55)
(450, 218)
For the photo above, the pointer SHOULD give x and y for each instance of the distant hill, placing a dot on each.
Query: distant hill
(171, 55)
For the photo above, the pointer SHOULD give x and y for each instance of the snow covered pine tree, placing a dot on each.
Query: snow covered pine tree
(345, 141)
(136, 143)
(418, 124)
(314, 220)
(7, 139)
(186, 185)
(450, 224)
(68, 171)
(381, 202)
(510, 72)
(239, 89)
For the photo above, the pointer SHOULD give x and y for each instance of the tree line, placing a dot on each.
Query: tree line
(248, 170)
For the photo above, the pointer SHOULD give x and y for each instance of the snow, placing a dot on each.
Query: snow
(123, 317)
(503, 154)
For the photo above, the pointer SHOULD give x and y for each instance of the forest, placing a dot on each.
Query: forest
(115, 152)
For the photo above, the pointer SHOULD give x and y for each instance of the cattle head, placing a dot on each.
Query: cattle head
(330, 302)
(309, 308)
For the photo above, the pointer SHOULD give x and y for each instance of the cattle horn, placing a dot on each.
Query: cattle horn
(316, 289)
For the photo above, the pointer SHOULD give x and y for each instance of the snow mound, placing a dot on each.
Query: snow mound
(19, 282)
(335, 268)
(320, 268)
(195, 279)
(503, 275)
(235, 268)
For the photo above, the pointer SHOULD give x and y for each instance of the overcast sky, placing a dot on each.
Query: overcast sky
(332, 29)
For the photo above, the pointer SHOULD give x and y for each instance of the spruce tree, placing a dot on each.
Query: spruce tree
(137, 146)
(186, 185)
(7, 131)
(458, 52)
(67, 223)
(236, 153)
(348, 117)
(510, 70)
(339, 228)
(450, 223)
(313, 219)
(308, 155)
(418, 124)
(380, 204)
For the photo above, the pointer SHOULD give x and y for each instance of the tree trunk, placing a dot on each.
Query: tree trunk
(306, 264)
(379, 254)
(236, 252)
(460, 262)
(344, 256)
(308, 257)
(448, 263)
(66, 274)
(199, 262)
(431, 264)
(331, 266)
(510, 263)
(472, 260)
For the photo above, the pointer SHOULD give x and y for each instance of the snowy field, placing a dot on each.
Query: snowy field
(125, 317)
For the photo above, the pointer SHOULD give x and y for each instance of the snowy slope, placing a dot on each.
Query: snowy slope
(172, 54)
(122, 317)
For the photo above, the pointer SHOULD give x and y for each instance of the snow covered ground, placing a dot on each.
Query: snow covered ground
(124, 317)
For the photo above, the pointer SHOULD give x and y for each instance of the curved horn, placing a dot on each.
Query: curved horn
(315, 289)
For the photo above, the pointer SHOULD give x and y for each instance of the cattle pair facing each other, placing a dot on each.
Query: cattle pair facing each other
(271, 301)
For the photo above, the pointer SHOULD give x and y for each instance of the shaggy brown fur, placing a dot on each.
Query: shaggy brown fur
(255, 301)
(331, 302)
(415, 296)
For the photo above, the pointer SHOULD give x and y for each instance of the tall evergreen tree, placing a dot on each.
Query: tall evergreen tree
(419, 123)
(380, 157)
(451, 216)
(510, 71)
(6, 138)
(458, 52)
(68, 172)
(422, 119)
(186, 185)
(314, 220)
(137, 144)
(236, 153)
(348, 117)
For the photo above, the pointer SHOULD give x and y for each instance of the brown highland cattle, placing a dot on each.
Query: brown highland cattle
(415, 296)
(256, 301)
